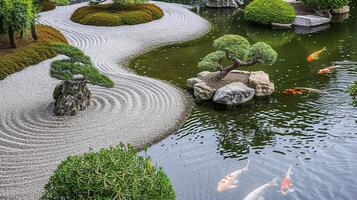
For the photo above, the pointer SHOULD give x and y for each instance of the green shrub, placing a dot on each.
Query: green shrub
(268, 11)
(326, 4)
(353, 92)
(31, 54)
(110, 15)
(113, 173)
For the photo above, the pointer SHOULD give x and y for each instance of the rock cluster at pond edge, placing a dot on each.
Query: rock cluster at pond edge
(236, 88)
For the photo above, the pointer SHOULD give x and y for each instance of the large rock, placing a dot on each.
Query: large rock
(202, 91)
(223, 3)
(260, 82)
(71, 97)
(310, 20)
(343, 10)
(192, 82)
(233, 94)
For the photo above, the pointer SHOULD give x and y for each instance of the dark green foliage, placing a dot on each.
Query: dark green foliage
(110, 15)
(15, 16)
(77, 64)
(31, 54)
(112, 173)
(353, 92)
(326, 4)
(268, 11)
(237, 50)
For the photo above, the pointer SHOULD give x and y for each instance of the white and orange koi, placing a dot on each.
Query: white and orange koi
(258, 193)
(230, 181)
(315, 55)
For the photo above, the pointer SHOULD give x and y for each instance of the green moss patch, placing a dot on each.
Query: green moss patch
(110, 15)
(47, 6)
(113, 173)
(268, 11)
(29, 52)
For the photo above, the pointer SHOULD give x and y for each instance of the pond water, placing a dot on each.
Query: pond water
(316, 134)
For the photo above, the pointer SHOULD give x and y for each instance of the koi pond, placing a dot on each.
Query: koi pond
(315, 133)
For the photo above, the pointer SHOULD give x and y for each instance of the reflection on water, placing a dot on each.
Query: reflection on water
(315, 133)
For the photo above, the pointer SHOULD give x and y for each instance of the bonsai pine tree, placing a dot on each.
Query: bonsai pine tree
(15, 16)
(237, 50)
(77, 64)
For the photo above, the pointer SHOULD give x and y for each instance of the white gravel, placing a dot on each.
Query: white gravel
(137, 110)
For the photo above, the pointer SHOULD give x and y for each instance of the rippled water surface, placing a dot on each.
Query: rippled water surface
(314, 133)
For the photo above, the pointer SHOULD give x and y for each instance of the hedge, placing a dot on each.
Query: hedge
(326, 4)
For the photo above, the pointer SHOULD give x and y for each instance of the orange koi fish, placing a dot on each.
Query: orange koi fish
(315, 55)
(326, 70)
(230, 181)
(286, 184)
(300, 90)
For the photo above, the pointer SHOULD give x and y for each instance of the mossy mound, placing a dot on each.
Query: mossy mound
(326, 4)
(268, 11)
(47, 6)
(113, 173)
(110, 15)
(29, 52)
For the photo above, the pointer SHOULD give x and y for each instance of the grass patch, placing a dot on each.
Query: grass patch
(29, 52)
(112, 173)
(110, 15)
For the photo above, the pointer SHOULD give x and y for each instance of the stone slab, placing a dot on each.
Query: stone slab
(310, 20)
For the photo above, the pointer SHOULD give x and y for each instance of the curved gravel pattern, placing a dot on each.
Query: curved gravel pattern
(137, 110)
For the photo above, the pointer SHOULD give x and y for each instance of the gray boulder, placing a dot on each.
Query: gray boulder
(233, 94)
(202, 91)
(71, 97)
(192, 81)
(260, 82)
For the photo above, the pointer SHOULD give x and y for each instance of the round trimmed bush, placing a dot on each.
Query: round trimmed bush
(326, 4)
(113, 173)
(112, 15)
(268, 11)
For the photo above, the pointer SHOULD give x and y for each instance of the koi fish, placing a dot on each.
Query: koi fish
(258, 193)
(300, 90)
(285, 186)
(315, 55)
(326, 70)
(230, 181)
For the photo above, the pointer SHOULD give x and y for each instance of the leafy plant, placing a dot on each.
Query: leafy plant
(326, 4)
(353, 92)
(16, 16)
(112, 173)
(268, 11)
(110, 15)
(78, 64)
(236, 49)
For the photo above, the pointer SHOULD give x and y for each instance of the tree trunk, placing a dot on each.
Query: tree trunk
(33, 32)
(12, 39)
(22, 34)
(223, 73)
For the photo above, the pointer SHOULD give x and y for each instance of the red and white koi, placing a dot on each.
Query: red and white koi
(286, 184)
(230, 181)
